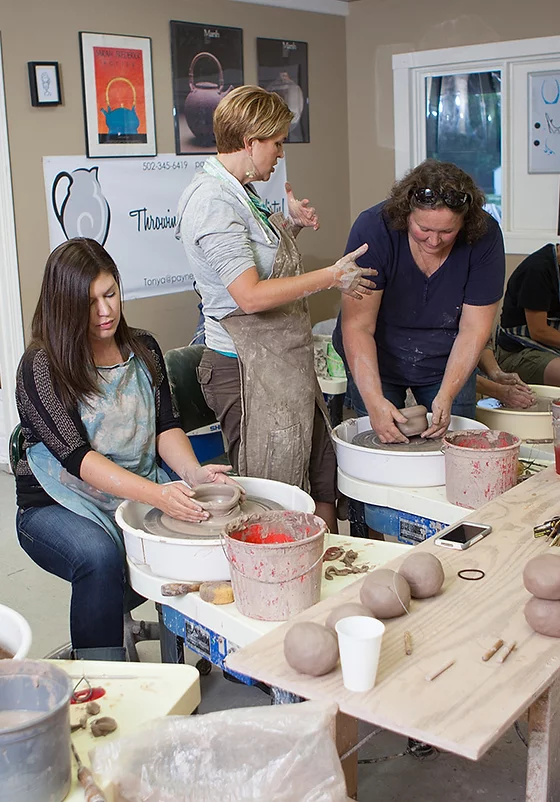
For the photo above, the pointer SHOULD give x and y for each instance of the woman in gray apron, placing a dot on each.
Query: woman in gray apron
(257, 371)
(96, 413)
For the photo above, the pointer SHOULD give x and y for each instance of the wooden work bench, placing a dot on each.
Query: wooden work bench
(468, 707)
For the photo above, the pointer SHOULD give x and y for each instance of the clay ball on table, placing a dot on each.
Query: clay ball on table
(385, 593)
(345, 611)
(541, 576)
(543, 615)
(416, 420)
(424, 573)
(311, 648)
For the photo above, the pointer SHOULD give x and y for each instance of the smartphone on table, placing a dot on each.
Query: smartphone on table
(463, 535)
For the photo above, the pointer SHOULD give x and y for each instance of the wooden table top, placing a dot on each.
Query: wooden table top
(468, 707)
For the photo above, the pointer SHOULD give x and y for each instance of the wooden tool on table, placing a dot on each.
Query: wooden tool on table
(213, 592)
(92, 792)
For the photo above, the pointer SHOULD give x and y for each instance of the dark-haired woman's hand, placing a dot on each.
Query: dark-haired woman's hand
(205, 474)
(175, 499)
(350, 278)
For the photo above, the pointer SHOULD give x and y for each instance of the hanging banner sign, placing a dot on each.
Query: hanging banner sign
(129, 206)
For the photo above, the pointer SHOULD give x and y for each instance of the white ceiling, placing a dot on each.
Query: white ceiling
(339, 7)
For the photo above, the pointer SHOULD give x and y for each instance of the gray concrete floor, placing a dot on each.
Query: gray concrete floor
(394, 777)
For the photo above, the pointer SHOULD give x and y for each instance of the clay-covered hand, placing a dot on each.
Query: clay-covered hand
(175, 499)
(205, 474)
(351, 279)
(441, 417)
(300, 213)
(516, 396)
(501, 377)
(382, 420)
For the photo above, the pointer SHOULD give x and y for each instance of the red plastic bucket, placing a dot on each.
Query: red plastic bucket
(276, 561)
(479, 465)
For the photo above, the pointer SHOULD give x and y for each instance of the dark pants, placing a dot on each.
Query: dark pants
(80, 551)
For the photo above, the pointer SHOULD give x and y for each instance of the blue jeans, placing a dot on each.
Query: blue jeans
(80, 551)
(464, 403)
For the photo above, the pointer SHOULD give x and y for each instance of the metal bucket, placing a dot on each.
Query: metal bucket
(479, 466)
(35, 763)
(276, 560)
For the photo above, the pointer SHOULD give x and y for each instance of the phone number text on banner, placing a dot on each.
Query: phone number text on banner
(129, 206)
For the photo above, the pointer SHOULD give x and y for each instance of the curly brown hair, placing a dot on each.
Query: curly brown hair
(440, 177)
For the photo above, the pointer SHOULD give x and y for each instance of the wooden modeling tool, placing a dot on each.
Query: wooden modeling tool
(92, 792)
(440, 670)
(492, 651)
(407, 642)
(507, 651)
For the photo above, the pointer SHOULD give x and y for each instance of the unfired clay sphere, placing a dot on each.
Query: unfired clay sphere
(345, 611)
(385, 593)
(541, 576)
(424, 573)
(543, 615)
(416, 420)
(311, 648)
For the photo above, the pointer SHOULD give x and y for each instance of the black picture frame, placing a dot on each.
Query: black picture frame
(206, 63)
(44, 83)
(282, 67)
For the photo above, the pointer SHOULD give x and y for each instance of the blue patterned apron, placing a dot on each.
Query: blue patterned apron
(121, 424)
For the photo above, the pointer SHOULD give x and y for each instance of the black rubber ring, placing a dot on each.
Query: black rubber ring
(461, 574)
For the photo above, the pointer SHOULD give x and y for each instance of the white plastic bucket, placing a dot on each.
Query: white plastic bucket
(15, 633)
(273, 581)
(479, 466)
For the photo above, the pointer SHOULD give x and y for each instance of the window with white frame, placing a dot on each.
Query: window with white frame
(470, 105)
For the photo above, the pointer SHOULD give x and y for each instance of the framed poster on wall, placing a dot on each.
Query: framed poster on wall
(282, 68)
(544, 122)
(118, 95)
(206, 63)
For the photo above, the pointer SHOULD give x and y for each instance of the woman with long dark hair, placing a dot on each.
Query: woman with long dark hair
(96, 413)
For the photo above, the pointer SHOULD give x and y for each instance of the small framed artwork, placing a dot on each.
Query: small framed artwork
(282, 68)
(118, 95)
(206, 63)
(44, 83)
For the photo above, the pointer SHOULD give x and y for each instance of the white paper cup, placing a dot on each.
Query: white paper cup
(359, 644)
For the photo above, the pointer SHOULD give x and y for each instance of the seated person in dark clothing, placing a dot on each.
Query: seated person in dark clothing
(528, 341)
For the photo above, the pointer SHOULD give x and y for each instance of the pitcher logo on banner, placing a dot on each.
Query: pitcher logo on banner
(80, 206)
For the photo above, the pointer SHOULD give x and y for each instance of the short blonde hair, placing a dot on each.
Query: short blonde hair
(249, 112)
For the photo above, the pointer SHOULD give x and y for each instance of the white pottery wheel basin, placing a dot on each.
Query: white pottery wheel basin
(525, 424)
(192, 559)
(399, 468)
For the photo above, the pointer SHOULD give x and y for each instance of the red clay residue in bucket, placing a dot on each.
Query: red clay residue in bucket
(480, 439)
(255, 534)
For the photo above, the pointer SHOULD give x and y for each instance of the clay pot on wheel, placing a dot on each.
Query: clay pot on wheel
(219, 501)
(417, 420)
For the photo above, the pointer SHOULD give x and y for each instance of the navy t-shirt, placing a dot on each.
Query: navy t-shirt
(532, 285)
(419, 315)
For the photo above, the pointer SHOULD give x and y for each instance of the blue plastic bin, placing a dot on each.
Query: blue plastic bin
(207, 442)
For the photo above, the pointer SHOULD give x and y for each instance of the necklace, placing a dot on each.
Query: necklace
(427, 266)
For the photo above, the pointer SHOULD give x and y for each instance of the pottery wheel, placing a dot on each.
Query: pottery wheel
(370, 439)
(540, 405)
(157, 522)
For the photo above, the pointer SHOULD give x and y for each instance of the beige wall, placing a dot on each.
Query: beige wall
(48, 29)
(377, 29)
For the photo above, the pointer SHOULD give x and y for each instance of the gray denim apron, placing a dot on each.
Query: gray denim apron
(279, 388)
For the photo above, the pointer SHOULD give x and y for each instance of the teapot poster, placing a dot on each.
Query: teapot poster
(207, 63)
(129, 207)
(118, 95)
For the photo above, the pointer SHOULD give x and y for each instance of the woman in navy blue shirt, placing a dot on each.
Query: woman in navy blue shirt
(441, 267)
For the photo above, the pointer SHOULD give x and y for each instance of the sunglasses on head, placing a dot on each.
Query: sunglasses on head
(452, 198)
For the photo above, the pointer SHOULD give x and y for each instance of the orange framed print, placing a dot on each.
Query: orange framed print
(118, 95)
